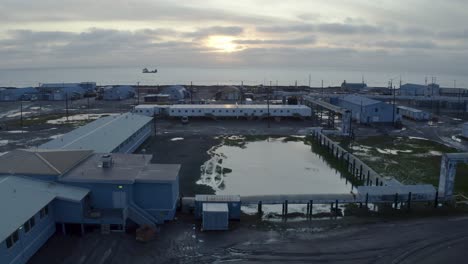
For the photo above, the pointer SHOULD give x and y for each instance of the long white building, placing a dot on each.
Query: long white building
(228, 110)
(413, 113)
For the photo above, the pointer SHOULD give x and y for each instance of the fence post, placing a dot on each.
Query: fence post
(409, 201)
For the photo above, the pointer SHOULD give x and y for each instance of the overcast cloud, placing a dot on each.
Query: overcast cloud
(423, 35)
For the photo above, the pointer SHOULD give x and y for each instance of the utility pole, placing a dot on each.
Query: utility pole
(394, 92)
(66, 105)
(309, 80)
(322, 88)
(191, 92)
(138, 93)
(21, 114)
(268, 105)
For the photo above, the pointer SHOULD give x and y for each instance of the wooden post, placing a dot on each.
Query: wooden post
(436, 200)
(286, 207)
(336, 208)
(260, 212)
(360, 173)
(311, 208)
(367, 199)
(396, 200)
(409, 201)
(368, 176)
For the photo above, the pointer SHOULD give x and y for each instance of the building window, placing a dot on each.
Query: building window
(199, 111)
(376, 110)
(44, 212)
(12, 239)
(29, 224)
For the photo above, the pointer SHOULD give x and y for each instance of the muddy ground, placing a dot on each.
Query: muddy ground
(434, 240)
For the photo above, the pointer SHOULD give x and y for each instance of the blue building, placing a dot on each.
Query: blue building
(79, 188)
(365, 110)
(111, 134)
(117, 92)
(63, 91)
(410, 89)
(31, 209)
(15, 94)
(176, 92)
(353, 87)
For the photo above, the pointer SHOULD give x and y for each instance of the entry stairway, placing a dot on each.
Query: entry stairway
(140, 216)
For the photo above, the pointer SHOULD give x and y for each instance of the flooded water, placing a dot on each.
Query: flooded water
(272, 166)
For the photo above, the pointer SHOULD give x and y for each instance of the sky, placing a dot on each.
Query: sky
(411, 36)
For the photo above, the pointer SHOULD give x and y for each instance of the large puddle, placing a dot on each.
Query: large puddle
(270, 166)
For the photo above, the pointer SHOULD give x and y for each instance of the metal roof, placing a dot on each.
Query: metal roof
(360, 100)
(125, 169)
(414, 110)
(102, 135)
(215, 207)
(41, 162)
(217, 198)
(21, 198)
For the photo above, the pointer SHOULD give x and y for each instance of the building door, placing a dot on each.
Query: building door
(119, 199)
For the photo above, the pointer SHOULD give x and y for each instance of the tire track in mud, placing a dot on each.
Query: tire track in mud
(428, 247)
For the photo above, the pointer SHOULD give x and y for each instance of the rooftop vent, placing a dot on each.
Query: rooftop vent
(106, 161)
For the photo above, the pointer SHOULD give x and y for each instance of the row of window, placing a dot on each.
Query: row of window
(137, 133)
(227, 111)
(28, 225)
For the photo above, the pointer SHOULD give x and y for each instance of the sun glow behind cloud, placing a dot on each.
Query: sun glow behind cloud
(222, 44)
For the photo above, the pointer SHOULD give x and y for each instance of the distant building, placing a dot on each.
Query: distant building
(63, 91)
(234, 110)
(111, 134)
(229, 93)
(465, 130)
(117, 92)
(462, 92)
(176, 92)
(153, 98)
(410, 89)
(353, 87)
(365, 110)
(414, 114)
(16, 94)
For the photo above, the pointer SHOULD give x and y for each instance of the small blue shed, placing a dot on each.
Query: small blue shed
(233, 202)
(215, 216)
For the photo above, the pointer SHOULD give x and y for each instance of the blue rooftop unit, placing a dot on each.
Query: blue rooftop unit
(112, 134)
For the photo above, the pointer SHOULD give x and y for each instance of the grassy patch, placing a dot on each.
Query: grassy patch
(409, 160)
